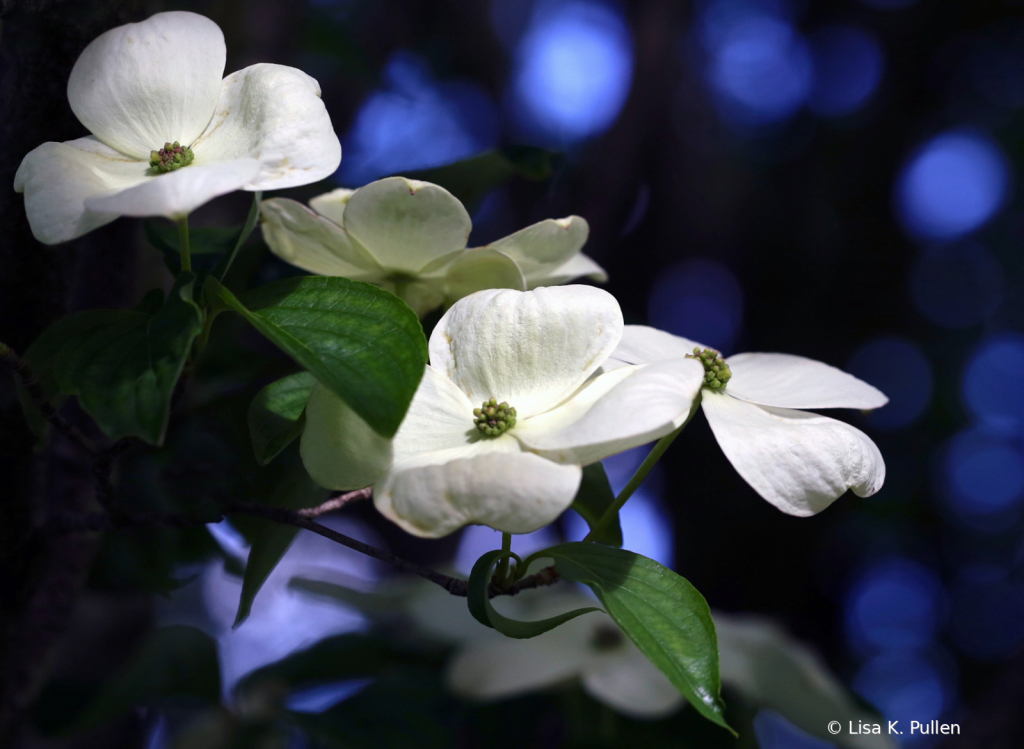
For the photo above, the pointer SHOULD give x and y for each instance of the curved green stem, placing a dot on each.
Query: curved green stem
(506, 545)
(641, 473)
(183, 245)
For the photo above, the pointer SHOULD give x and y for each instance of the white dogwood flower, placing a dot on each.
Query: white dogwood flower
(169, 132)
(760, 662)
(409, 238)
(513, 403)
(800, 462)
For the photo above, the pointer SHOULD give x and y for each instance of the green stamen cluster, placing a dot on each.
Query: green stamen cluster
(606, 637)
(493, 418)
(716, 372)
(172, 156)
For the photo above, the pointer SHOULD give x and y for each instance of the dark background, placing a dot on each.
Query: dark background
(829, 179)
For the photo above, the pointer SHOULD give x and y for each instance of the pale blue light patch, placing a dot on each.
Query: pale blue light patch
(322, 697)
(477, 540)
(775, 732)
(993, 384)
(909, 686)
(952, 185)
(982, 479)
(848, 64)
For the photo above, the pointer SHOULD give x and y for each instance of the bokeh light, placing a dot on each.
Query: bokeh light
(898, 367)
(414, 122)
(698, 299)
(906, 687)
(982, 478)
(993, 384)
(758, 66)
(895, 604)
(848, 65)
(957, 285)
(987, 620)
(952, 185)
(775, 732)
(573, 68)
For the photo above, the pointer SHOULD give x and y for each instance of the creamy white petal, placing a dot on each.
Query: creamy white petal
(422, 295)
(532, 349)
(177, 193)
(616, 411)
(57, 179)
(630, 684)
(787, 381)
(475, 270)
(299, 236)
(772, 670)
(800, 462)
(544, 245)
(439, 418)
(510, 491)
(141, 85)
(493, 669)
(578, 266)
(641, 344)
(339, 450)
(405, 224)
(272, 113)
(332, 204)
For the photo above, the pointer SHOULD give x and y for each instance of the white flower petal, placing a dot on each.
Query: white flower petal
(641, 344)
(299, 236)
(439, 418)
(331, 205)
(772, 670)
(616, 411)
(630, 684)
(496, 486)
(57, 178)
(787, 381)
(578, 266)
(406, 224)
(493, 669)
(178, 193)
(532, 349)
(800, 462)
(545, 245)
(475, 270)
(339, 450)
(141, 85)
(272, 113)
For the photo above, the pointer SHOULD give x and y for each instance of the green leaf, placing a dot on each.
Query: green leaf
(364, 344)
(295, 491)
(339, 658)
(208, 246)
(250, 223)
(175, 661)
(662, 613)
(482, 610)
(471, 179)
(122, 365)
(275, 415)
(593, 498)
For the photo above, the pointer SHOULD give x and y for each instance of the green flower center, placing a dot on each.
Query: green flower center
(716, 372)
(606, 637)
(493, 418)
(172, 156)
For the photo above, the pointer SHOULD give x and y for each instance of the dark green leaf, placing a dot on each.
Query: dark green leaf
(122, 365)
(364, 344)
(243, 234)
(482, 610)
(270, 541)
(338, 658)
(176, 661)
(593, 498)
(275, 414)
(471, 179)
(662, 613)
(207, 246)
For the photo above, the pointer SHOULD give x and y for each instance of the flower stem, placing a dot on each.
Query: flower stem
(183, 246)
(506, 545)
(641, 473)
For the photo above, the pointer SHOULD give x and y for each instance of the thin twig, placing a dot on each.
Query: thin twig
(35, 390)
(337, 502)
